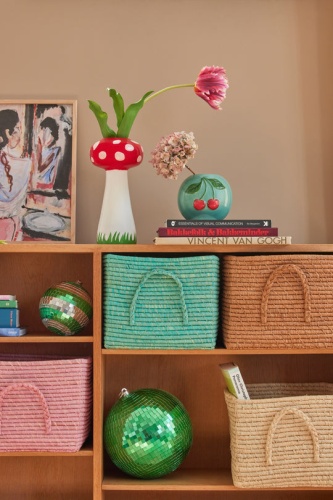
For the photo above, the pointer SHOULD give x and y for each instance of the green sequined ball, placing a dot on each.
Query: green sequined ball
(66, 308)
(147, 433)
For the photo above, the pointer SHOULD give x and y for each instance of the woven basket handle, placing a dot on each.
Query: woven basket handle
(145, 278)
(35, 390)
(309, 425)
(280, 270)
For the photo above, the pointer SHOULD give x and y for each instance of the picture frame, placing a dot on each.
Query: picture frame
(38, 140)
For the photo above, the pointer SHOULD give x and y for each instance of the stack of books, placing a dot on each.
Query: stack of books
(10, 317)
(220, 232)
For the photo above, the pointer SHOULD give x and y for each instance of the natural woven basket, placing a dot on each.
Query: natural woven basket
(45, 403)
(277, 301)
(282, 436)
(160, 302)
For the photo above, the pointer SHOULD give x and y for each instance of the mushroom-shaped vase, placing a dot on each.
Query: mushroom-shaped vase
(116, 155)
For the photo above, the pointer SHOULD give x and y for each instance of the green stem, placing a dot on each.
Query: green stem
(211, 185)
(168, 88)
(203, 194)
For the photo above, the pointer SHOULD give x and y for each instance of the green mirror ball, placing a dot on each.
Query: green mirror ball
(147, 433)
(66, 308)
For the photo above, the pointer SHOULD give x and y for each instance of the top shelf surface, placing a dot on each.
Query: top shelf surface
(163, 249)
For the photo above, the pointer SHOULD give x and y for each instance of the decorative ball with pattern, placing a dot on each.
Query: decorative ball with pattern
(147, 433)
(66, 308)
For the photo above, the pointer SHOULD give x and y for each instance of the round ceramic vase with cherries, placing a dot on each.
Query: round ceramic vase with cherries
(205, 197)
(116, 156)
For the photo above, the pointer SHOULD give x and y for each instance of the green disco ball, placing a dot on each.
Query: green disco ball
(147, 433)
(66, 308)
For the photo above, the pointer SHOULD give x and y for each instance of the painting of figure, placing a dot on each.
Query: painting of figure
(37, 171)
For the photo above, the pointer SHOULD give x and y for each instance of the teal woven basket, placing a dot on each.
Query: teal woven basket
(160, 303)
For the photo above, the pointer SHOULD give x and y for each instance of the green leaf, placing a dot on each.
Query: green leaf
(118, 105)
(193, 188)
(215, 183)
(130, 115)
(102, 119)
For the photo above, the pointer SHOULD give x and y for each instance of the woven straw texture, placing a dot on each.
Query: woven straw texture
(160, 303)
(283, 436)
(277, 301)
(45, 403)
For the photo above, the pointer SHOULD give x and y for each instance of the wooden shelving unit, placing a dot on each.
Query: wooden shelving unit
(27, 270)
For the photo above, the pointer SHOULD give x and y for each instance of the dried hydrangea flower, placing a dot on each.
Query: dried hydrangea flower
(171, 154)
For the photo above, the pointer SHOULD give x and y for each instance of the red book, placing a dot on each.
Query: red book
(216, 231)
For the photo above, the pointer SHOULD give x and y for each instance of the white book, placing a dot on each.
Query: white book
(222, 240)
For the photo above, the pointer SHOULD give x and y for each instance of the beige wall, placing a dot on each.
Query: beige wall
(272, 140)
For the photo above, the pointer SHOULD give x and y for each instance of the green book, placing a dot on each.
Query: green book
(8, 303)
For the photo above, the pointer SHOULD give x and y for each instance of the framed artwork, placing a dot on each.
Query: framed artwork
(37, 170)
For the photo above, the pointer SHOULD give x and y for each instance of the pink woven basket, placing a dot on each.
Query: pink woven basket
(45, 403)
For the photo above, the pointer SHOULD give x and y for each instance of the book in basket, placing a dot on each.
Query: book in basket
(234, 380)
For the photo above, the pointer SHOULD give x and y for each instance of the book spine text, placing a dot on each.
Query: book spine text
(239, 240)
(219, 223)
(234, 380)
(216, 231)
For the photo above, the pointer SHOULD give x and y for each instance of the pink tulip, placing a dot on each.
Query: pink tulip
(211, 85)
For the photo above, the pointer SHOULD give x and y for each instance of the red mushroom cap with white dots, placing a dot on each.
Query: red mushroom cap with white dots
(116, 153)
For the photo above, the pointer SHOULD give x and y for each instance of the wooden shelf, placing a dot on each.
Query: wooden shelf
(192, 375)
(47, 248)
(186, 480)
(216, 249)
(47, 339)
(213, 352)
(182, 479)
(28, 270)
(68, 248)
(86, 451)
